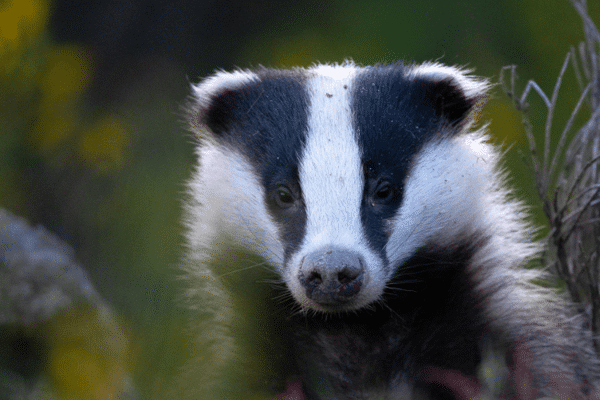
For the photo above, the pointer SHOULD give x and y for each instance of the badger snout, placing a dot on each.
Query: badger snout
(332, 276)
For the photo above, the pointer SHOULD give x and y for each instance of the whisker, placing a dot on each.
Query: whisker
(235, 271)
(386, 306)
(392, 289)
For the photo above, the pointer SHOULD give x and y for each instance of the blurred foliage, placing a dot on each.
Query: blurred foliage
(91, 139)
(89, 354)
(20, 20)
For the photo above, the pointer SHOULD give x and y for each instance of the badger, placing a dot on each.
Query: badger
(349, 231)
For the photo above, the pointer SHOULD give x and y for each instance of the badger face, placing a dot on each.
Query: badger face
(336, 175)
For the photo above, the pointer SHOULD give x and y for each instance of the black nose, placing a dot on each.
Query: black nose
(332, 276)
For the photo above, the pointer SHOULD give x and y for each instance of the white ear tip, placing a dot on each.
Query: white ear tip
(472, 86)
(220, 81)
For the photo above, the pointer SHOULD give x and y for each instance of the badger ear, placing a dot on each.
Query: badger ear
(213, 101)
(454, 93)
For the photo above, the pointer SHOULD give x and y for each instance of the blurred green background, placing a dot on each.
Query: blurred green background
(92, 143)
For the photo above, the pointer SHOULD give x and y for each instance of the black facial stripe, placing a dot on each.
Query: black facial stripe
(394, 116)
(266, 120)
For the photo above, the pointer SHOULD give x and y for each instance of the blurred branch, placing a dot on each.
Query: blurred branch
(568, 181)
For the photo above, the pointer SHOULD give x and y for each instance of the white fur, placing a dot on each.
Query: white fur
(331, 179)
(443, 199)
(230, 202)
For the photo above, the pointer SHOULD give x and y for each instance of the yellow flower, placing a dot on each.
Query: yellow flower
(69, 72)
(90, 355)
(19, 21)
(103, 145)
(67, 75)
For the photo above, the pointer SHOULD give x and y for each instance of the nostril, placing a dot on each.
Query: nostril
(315, 278)
(347, 275)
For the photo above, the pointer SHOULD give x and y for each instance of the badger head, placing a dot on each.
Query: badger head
(337, 174)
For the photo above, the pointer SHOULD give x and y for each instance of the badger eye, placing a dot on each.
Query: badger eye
(383, 192)
(284, 197)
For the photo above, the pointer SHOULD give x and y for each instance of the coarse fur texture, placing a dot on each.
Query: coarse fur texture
(346, 226)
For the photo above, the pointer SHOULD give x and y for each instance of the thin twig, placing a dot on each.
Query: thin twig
(567, 128)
